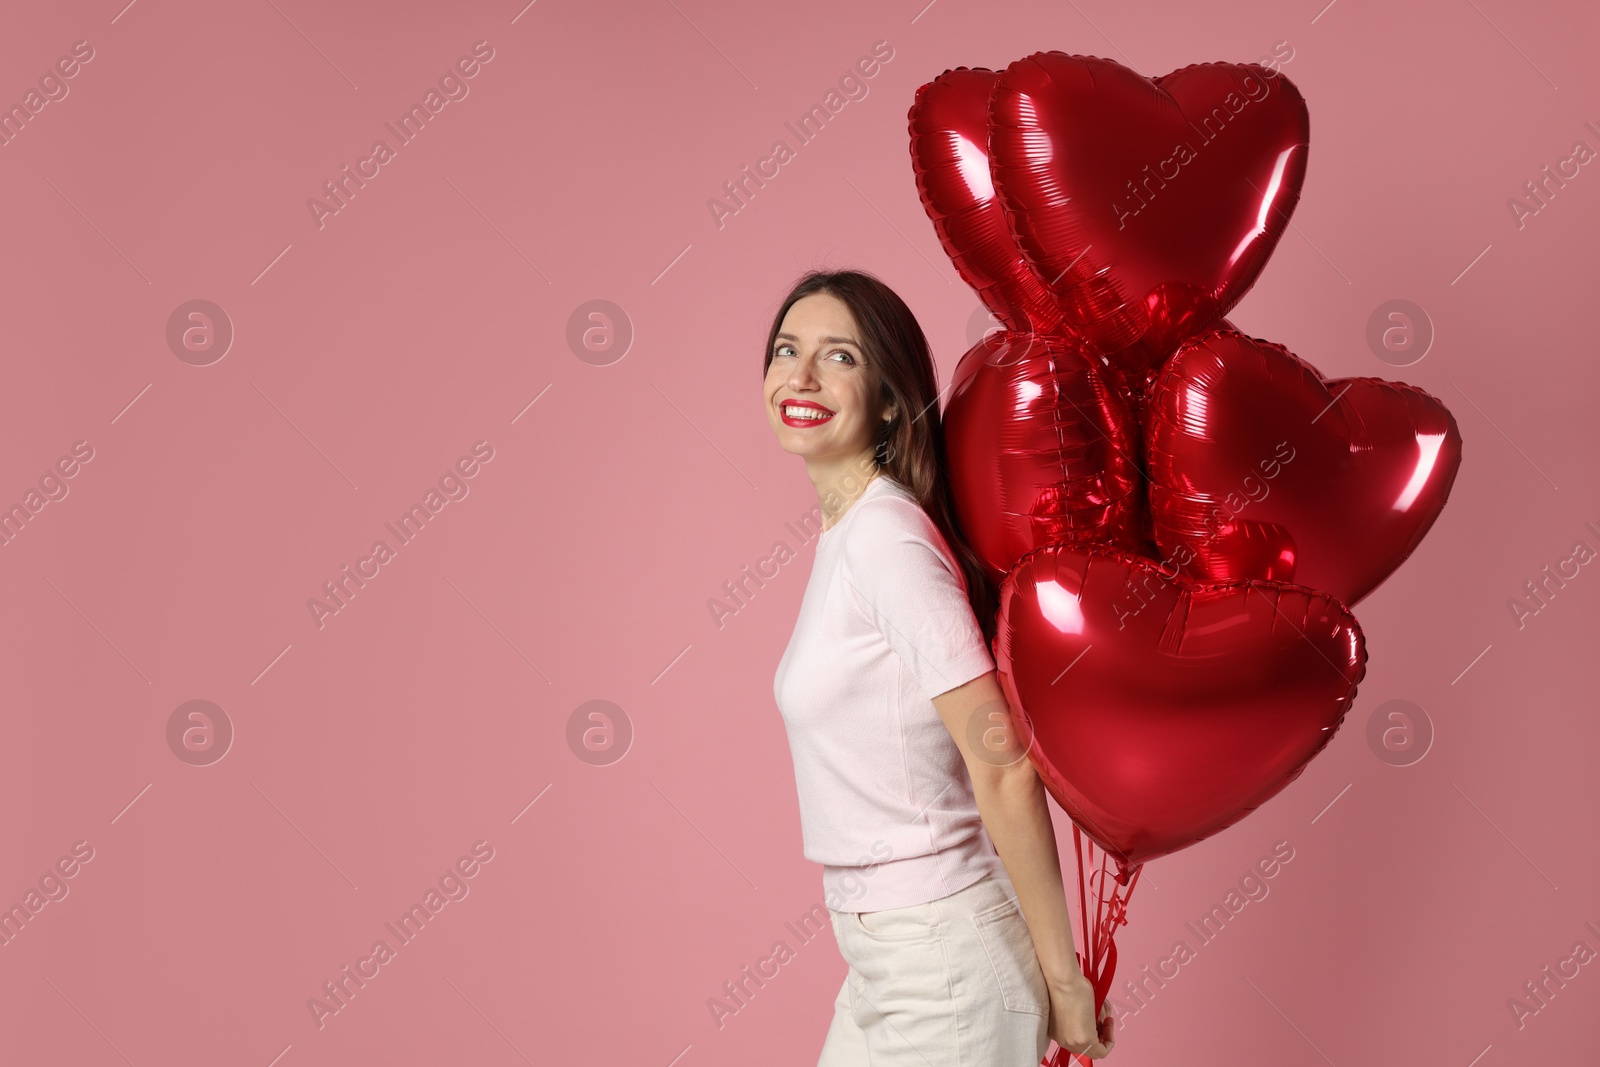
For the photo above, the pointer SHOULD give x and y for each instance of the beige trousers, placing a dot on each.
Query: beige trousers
(954, 982)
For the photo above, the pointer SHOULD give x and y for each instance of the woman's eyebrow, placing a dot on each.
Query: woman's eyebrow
(825, 340)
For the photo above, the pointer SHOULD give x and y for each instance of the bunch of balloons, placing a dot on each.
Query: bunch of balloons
(1179, 516)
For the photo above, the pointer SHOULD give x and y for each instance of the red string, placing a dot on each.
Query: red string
(1098, 959)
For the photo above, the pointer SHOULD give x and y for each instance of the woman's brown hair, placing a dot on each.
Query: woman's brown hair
(909, 450)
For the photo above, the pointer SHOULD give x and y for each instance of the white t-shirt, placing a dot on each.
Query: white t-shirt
(886, 804)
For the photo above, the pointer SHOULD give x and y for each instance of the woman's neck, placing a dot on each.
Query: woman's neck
(838, 490)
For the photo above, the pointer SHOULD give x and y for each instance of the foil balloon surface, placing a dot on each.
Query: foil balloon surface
(1041, 448)
(950, 156)
(1148, 206)
(1259, 468)
(1162, 711)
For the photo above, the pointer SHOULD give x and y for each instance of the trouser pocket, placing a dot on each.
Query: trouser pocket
(1006, 939)
(915, 923)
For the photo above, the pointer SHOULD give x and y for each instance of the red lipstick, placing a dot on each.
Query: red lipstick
(803, 421)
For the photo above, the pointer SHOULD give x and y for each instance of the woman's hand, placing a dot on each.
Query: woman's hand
(1072, 1019)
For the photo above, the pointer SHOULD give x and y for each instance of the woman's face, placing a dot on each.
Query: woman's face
(818, 365)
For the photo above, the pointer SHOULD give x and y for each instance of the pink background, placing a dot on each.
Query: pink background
(370, 354)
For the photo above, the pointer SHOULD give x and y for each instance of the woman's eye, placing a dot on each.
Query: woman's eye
(788, 350)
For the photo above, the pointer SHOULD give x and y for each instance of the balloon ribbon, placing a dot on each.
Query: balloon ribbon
(1098, 937)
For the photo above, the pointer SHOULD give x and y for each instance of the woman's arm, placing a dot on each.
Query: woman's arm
(1016, 813)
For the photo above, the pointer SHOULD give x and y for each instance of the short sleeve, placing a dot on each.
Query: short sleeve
(901, 578)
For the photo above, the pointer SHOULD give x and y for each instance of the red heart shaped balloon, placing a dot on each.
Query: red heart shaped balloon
(1148, 206)
(1164, 711)
(1261, 469)
(950, 155)
(1041, 448)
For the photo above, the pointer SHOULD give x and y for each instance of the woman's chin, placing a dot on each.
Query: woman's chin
(797, 442)
(798, 448)
(808, 444)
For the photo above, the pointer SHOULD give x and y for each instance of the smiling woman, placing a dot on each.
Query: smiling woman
(844, 358)
(960, 946)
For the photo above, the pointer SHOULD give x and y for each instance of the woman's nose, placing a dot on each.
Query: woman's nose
(804, 374)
